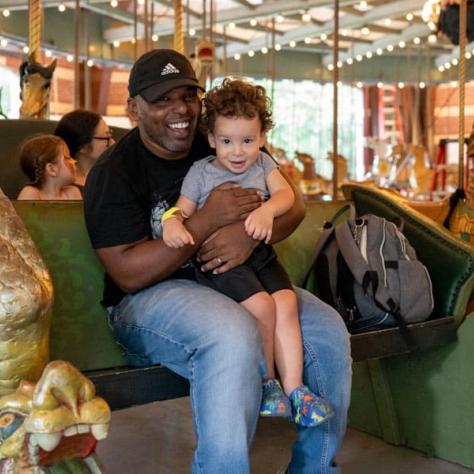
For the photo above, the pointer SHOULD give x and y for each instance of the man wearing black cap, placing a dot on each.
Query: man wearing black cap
(160, 314)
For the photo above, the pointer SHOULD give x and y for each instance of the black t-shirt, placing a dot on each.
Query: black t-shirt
(127, 192)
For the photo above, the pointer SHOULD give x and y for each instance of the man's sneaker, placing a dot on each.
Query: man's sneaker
(308, 408)
(274, 400)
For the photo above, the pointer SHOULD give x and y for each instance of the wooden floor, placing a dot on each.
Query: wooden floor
(158, 439)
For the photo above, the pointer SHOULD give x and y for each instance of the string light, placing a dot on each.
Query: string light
(422, 85)
(339, 64)
(251, 53)
(363, 5)
(292, 44)
(454, 62)
(349, 61)
(368, 54)
(90, 63)
(231, 25)
(432, 38)
(409, 16)
(380, 85)
(253, 22)
(324, 37)
(359, 85)
(447, 66)
(237, 56)
(359, 57)
(441, 68)
(387, 21)
(365, 31)
(155, 38)
(192, 31)
(331, 67)
(48, 53)
(307, 40)
(6, 13)
(379, 51)
(264, 50)
(468, 55)
(401, 85)
(116, 43)
(416, 40)
(306, 17)
(114, 3)
(277, 47)
(26, 50)
(339, 83)
(69, 58)
(390, 48)
(279, 19)
(402, 44)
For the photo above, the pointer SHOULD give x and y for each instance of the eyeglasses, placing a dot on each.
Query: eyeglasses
(108, 138)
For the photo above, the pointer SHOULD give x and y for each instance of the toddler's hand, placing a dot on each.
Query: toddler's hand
(259, 224)
(175, 235)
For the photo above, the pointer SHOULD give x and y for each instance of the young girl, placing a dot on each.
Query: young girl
(237, 117)
(46, 161)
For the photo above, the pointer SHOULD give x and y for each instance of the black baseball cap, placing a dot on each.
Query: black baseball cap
(157, 72)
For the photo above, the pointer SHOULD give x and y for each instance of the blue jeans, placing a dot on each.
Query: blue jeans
(212, 341)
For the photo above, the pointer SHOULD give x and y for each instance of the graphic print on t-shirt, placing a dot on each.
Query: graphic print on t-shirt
(155, 218)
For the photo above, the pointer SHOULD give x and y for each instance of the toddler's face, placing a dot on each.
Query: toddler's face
(237, 141)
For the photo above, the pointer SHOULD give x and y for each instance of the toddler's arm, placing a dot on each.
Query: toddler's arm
(259, 222)
(175, 233)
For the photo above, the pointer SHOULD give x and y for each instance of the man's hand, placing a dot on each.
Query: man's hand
(259, 224)
(229, 203)
(227, 248)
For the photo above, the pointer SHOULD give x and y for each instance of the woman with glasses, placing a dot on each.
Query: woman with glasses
(87, 137)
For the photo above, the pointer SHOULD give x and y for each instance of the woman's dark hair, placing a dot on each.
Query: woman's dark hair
(77, 128)
(36, 152)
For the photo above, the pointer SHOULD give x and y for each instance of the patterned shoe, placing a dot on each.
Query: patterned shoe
(308, 408)
(274, 401)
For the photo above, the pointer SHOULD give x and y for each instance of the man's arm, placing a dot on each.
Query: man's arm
(231, 246)
(139, 264)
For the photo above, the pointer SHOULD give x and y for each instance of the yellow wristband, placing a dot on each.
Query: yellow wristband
(170, 213)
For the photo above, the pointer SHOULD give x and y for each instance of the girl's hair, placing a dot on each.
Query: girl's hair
(236, 98)
(77, 129)
(35, 153)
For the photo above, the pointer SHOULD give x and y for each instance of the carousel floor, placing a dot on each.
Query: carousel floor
(158, 439)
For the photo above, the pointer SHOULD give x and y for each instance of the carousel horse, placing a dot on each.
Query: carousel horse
(461, 223)
(312, 185)
(382, 164)
(52, 426)
(26, 296)
(288, 166)
(35, 84)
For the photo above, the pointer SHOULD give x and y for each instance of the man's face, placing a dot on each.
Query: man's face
(171, 121)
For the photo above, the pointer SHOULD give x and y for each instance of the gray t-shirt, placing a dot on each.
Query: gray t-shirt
(203, 177)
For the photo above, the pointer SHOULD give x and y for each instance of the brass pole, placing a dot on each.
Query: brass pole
(34, 28)
(178, 27)
(335, 78)
(462, 84)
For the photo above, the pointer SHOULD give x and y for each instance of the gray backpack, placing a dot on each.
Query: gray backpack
(368, 271)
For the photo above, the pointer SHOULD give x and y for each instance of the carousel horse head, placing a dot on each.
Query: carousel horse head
(52, 424)
(35, 84)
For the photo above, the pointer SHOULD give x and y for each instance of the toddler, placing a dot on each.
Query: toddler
(237, 117)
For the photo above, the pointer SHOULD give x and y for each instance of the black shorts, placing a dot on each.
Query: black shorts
(261, 272)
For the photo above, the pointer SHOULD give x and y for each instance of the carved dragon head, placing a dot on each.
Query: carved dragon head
(59, 418)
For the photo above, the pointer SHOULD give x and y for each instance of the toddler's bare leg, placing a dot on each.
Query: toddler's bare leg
(262, 306)
(288, 342)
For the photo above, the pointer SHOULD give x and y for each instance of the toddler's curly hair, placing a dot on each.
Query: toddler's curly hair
(236, 98)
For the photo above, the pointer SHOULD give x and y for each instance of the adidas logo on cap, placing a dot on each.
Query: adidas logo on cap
(169, 69)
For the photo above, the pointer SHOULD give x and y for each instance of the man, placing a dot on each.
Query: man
(159, 314)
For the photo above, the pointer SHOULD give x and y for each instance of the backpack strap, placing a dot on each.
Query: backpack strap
(328, 229)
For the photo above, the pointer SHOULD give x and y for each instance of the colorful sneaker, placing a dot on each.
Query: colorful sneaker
(308, 408)
(274, 400)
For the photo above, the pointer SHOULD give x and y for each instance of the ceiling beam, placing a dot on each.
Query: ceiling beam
(411, 32)
(347, 21)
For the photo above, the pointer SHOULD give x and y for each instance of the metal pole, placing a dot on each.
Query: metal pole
(77, 67)
(335, 78)
(462, 83)
(135, 27)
